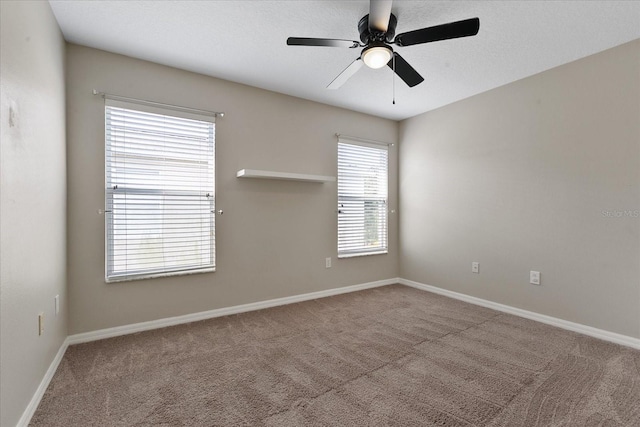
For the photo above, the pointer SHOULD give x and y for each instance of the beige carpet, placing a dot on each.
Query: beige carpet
(387, 356)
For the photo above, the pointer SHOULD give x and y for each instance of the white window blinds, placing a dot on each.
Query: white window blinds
(160, 192)
(362, 198)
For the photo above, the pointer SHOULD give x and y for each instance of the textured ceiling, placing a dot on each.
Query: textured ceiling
(245, 42)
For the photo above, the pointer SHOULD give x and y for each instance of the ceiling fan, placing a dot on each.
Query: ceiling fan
(377, 31)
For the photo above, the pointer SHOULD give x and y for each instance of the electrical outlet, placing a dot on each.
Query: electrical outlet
(534, 277)
(475, 267)
(327, 262)
(40, 323)
(56, 301)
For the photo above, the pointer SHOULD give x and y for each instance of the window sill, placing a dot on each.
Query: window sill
(130, 278)
(384, 252)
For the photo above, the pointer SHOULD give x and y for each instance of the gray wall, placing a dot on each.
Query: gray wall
(273, 237)
(32, 200)
(521, 178)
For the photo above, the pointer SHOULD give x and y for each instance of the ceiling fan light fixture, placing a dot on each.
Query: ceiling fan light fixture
(377, 56)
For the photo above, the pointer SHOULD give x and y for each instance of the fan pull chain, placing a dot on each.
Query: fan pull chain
(393, 79)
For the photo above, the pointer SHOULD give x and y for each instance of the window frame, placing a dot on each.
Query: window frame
(384, 248)
(178, 113)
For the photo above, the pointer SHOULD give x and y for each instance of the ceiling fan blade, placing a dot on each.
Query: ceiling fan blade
(346, 74)
(379, 14)
(305, 41)
(405, 71)
(452, 30)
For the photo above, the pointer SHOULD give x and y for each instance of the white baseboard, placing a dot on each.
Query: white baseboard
(25, 419)
(226, 311)
(564, 324)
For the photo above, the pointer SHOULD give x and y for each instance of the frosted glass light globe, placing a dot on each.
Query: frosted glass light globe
(376, 56)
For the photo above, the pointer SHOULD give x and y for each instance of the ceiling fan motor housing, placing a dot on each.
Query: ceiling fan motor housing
(367, 36)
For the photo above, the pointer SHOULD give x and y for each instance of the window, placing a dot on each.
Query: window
(160, 192)
(362, 198)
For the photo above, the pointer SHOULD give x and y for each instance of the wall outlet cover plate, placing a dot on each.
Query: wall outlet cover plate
(534, 277)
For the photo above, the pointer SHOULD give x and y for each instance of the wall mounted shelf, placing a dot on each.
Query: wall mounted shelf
(287, 176)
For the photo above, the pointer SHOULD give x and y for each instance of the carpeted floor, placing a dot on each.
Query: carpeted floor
(386, 356)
